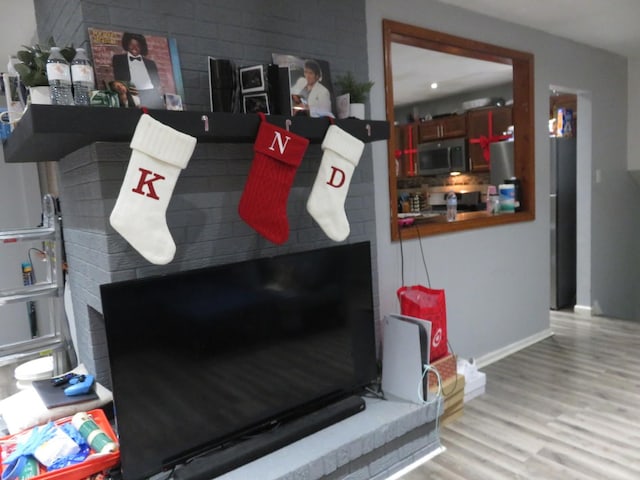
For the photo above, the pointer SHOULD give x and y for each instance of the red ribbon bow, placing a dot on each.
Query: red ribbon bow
(408, 151)
(486, 141)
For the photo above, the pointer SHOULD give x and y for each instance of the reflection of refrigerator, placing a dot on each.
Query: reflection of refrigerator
(563, 222)
(501, 163)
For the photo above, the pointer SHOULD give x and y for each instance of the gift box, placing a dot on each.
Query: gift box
(447, 368)
(94, 463)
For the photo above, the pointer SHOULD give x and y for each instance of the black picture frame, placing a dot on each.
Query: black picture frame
(255, 103)
(252, 79)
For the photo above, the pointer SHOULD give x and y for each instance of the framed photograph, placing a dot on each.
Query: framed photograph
(310, 86)
(252, 79)
(254, 103)
(173, 102)
(145, 63)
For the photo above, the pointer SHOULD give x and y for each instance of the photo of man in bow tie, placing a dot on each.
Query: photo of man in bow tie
(135, 68)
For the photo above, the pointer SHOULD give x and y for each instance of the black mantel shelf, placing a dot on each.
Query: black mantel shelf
(48, 132)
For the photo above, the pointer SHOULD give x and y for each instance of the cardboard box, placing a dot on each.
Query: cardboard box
(453, 394)
(474, 385)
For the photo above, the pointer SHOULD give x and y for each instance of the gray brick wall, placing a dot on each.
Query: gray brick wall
(202, 217)
(203, 212)
(246, 31)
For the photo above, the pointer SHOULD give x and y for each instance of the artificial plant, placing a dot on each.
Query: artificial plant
(33, 62)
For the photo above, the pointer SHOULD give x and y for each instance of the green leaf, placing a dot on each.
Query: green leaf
(25, 56)
(357, 90)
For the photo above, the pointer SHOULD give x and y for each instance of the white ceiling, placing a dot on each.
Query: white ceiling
(415, 69)
(608, 24)
(611, 25)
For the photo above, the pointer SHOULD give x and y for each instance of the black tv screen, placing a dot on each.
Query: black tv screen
(201, 359)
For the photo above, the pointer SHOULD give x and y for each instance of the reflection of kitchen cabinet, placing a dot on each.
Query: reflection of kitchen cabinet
(407, 150)
(445, 127)
(484, 126)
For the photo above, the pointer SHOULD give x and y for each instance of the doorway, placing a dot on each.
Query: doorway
(563, 128)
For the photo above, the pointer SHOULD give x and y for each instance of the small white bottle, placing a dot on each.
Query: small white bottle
(452, 206)
(82, 77)
(59, 76)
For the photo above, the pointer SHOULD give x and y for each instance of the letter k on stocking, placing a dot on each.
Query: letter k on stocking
(158, 154)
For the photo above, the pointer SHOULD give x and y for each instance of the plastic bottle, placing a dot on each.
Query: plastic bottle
(452, 206)
(59, 75)
(82, 77)
(97, 439)
(507, 194)
(517, 195)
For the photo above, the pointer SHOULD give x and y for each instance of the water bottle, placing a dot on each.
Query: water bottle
(517, 196)
(59, 75)
(82, 77)
(452, 206)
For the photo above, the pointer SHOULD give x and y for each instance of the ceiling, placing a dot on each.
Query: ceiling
(608, 24)
(592, 22)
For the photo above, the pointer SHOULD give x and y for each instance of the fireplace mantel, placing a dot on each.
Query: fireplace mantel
(48, 132)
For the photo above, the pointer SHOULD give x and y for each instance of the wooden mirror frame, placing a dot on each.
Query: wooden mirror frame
(523, 121)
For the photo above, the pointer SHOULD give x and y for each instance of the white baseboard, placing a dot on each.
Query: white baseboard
(403, 471)
(582, 310)
(496, 355)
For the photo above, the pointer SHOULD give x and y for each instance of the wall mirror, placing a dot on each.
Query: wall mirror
(447, 139)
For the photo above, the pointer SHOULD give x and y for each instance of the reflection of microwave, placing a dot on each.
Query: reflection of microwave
(442, 157)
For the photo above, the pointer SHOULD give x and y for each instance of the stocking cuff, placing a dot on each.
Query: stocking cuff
(163, 142)
(280, 144)
(343, 143)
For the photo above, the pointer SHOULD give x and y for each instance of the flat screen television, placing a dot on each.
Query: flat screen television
(202, 359)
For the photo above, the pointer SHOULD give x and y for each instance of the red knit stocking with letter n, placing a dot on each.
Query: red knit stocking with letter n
(263, 205)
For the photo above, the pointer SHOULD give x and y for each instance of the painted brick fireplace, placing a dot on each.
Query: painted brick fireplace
(202, 217)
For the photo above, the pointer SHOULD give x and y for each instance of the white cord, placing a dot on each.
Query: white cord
(438, 394)
(426, 369)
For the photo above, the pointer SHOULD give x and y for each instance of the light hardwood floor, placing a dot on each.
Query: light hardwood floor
(566, 408)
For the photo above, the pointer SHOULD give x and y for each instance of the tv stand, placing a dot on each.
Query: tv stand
(216, 463)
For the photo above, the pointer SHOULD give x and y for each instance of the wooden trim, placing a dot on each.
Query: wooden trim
(523, 120)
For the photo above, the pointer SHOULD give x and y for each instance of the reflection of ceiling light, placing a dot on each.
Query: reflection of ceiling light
(454, 174)
(434, 85)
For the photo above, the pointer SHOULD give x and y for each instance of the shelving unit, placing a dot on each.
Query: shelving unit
(50, 132)
(57, 342)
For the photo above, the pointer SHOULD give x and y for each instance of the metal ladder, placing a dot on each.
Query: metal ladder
(58, 342)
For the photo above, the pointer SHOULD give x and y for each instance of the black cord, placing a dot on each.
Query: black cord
(424, 262)
(455, 384)
(401, 257)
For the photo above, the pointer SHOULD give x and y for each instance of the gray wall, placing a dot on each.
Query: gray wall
(18, 184)
(202, 215)
(497, 279)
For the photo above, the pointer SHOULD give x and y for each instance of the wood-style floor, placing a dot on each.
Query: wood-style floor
(565, 408)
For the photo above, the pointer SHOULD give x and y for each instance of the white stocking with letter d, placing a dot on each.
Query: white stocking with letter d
(341, 156)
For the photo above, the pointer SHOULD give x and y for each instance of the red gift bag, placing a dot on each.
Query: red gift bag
(427, 304)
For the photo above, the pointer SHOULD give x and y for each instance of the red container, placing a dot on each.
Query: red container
(93, 464)
(427, 304)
